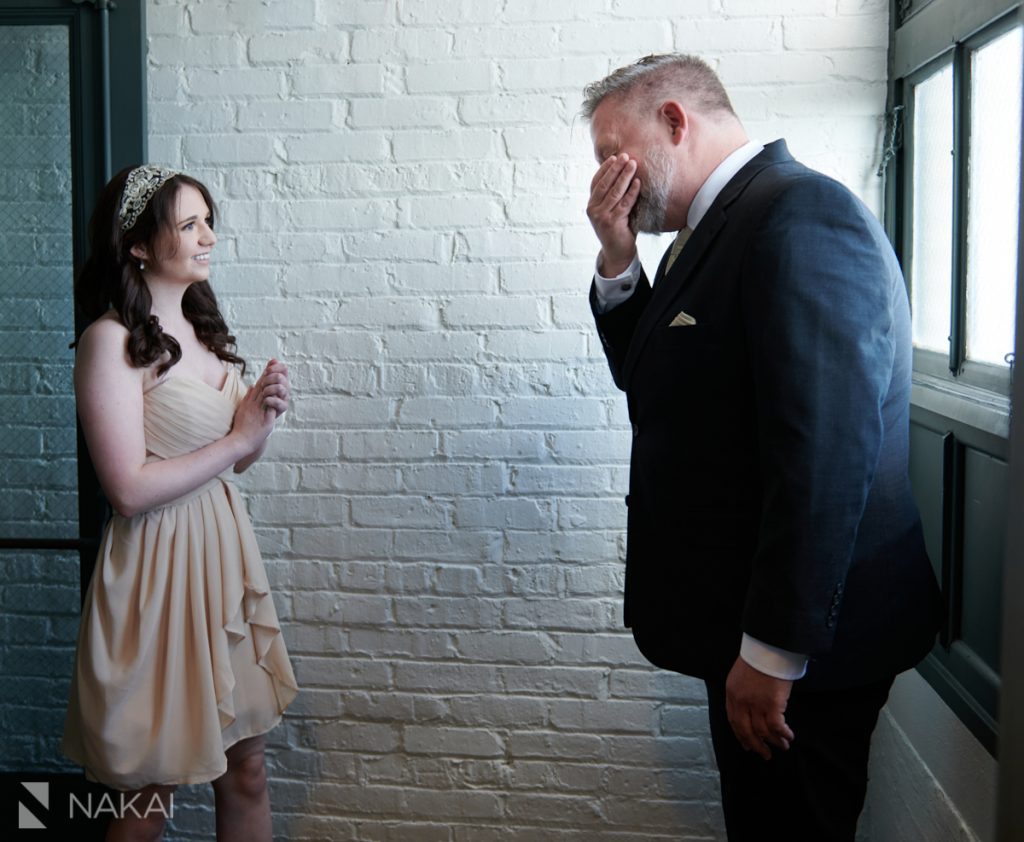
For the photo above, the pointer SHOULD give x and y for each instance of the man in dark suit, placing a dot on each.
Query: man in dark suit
(774, 549)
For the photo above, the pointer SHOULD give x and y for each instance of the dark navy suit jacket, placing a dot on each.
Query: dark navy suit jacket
(769, 491)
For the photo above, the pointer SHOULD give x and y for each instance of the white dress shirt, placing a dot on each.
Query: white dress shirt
(610, 292)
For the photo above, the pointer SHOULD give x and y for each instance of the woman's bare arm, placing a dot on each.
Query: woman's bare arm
(108, 390)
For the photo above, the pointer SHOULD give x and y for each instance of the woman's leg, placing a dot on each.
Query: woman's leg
(148, 826)
(242, 800)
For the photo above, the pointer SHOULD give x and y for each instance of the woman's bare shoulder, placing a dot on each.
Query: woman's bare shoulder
(107, 329)
(104, 343)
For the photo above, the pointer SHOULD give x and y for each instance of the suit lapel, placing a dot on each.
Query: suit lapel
(667, 287)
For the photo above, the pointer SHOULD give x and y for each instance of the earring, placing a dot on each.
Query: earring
(142, 266)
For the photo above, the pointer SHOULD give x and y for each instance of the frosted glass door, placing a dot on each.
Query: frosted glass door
(38, 471)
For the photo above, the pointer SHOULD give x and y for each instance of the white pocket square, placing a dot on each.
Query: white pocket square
(682, 319)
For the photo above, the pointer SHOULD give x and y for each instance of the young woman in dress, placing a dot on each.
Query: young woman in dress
(181, 668)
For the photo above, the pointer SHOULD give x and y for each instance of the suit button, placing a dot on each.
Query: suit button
(636, 431)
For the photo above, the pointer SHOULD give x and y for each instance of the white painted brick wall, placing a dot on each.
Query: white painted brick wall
(403, 185)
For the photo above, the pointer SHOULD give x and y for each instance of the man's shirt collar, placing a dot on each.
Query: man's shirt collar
(720, 176)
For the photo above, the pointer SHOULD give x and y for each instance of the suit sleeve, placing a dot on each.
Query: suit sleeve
(616, 326)
(817, 315)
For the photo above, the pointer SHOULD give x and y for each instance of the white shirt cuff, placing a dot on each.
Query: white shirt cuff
(611, 292)
(771, 660)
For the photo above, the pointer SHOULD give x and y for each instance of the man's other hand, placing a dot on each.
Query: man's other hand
(756, 706)
(613, 192)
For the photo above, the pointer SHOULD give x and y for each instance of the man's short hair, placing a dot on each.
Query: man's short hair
(651, 80)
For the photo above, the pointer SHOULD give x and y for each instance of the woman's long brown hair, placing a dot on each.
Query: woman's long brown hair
(111, 278)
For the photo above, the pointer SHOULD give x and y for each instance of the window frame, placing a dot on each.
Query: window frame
(963, 402)
(98, 147)
(954, 366)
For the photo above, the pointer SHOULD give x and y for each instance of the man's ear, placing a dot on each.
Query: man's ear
(675, 118)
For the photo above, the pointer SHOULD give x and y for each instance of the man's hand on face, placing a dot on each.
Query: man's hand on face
(613, 192)
(756, 705)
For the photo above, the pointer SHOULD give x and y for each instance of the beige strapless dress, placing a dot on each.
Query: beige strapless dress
(180, 653)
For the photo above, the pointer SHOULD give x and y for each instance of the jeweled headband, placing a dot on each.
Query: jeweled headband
(139, 187)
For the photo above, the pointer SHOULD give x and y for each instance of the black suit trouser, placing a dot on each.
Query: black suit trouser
(815, 791)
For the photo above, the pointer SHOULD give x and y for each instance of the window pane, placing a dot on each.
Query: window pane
(38, 471)
(932, 223)
(39, 610)
(39, 591)
(993, 189)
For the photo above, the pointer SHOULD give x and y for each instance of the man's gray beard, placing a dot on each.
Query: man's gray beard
(647, 215)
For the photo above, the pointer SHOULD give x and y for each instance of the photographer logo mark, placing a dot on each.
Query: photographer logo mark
(28, 818)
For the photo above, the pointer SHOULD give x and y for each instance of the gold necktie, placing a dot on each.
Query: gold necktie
(677, 246)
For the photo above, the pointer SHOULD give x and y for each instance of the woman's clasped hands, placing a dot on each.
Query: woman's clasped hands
(265, 402)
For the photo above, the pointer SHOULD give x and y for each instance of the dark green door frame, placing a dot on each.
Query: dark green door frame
(1010, 812)
(960, 410)
(923, 32)
(107, 41)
